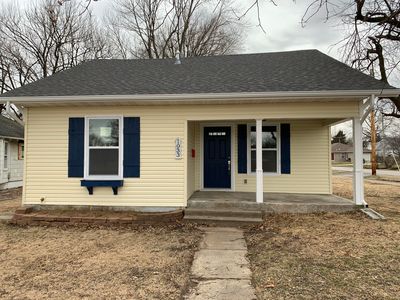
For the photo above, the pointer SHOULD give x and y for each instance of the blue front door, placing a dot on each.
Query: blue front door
(217, 157)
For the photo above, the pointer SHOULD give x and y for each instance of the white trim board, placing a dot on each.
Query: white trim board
(278, 149)
(120, 152)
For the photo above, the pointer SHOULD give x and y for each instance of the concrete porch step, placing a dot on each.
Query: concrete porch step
(223, 213)
(222, 221)
(223, 204)
(223, 217)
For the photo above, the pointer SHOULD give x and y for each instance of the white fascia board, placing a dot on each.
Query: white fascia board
(11, 138)
(202, 98)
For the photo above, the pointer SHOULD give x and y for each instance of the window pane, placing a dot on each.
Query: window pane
(103, 132)
(103, 161)
(253, 138)
(268, 137)
(269, 161)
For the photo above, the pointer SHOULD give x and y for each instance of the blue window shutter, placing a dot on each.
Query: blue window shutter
(285, 149)
(76, 141)
(131, 147)
(242, 148)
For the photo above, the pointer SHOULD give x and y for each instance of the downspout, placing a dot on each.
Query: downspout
(12, 115)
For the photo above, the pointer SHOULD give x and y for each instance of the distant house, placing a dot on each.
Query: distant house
(11, 153)
(344, 153)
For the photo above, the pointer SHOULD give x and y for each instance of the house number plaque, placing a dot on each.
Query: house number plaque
(178, 148)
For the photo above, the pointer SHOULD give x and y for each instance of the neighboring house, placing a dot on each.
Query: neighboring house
(149, 133)
(344, 153)
(11, 153)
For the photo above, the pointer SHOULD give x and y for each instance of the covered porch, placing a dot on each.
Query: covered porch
(273, 162)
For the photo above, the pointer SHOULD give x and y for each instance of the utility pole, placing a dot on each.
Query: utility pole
(373, 143)
(383, 139)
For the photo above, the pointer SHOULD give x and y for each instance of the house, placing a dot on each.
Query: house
(149, 134)
(344, 153)
(11, 153)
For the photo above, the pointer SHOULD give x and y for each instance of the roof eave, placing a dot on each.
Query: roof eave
(11, 137)
(165, 98)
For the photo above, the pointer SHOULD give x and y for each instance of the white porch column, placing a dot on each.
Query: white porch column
(259, 169)
(358, 175)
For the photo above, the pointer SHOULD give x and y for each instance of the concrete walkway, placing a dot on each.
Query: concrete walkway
(220, 268)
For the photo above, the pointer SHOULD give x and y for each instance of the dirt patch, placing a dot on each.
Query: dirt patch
(10, 194)
(96, 263)
(330, 256)
(10, 200)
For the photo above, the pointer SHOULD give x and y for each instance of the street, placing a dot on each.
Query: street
(367, 172)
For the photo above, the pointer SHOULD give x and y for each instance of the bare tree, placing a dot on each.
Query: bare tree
(161, 28)
(382, 123)
(44, 39)
(394, 144)
(372, 44)
(372, 35)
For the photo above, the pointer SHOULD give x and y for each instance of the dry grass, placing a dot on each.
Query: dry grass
(94, 263)
(385, 198)
(330, 256)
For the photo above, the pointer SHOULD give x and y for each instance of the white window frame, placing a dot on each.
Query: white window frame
(6, 144)
(278, 148)
(120, 148)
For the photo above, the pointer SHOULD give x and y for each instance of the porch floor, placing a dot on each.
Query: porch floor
(273, 202)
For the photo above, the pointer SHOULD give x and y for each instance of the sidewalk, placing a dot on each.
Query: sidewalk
(220, 268)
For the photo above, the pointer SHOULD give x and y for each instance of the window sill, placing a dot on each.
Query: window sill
(90, 184)
(264, 174)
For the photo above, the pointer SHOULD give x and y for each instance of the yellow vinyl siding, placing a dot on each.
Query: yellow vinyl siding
(309, 163)
(161, 181)
(164, 180)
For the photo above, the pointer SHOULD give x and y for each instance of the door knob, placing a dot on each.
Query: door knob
(229, 165)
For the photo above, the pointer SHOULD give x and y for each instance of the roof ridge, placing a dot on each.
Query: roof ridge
(205, 56)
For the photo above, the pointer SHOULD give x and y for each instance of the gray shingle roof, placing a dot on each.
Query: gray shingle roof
(10, 128)
(307, 70)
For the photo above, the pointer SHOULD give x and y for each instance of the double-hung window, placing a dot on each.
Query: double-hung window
(270, 149)
(6, 155)
(103, 148)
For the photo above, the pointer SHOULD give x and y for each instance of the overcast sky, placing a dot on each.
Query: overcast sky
(282, 25)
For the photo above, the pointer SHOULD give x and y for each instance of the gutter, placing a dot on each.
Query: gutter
(11, 138)
(203, 97)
